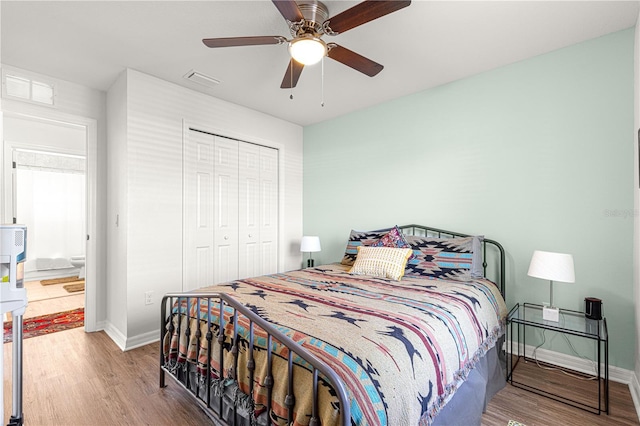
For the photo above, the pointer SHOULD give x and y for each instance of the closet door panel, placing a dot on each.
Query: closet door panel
(226, 210)
(268, 210)
(198, 210)
(249, 210)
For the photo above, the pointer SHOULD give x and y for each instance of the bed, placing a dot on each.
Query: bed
(344, 343)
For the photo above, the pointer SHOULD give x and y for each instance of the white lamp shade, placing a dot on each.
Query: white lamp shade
(552, 266)
(310, 244)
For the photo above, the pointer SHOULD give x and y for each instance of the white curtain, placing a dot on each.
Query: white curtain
(51, 202)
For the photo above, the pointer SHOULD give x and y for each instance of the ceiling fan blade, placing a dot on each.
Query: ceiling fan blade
(243, 41)
(361, 14)
(294, 69)
(354, 60)
(289, 10)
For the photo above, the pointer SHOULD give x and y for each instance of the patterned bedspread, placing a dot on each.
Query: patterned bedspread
(401, 348)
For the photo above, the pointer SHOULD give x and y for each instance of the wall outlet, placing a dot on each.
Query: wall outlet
(148, 298)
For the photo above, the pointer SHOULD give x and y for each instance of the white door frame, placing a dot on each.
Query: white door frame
(91, 127)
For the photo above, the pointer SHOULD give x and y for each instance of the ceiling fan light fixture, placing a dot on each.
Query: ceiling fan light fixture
(307, 49)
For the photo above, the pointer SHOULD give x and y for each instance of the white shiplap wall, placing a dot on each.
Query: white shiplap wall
(116, 289)
(147, 195)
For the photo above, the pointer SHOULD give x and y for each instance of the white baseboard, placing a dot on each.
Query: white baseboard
(142, 339)
(127, 343)
(616, 374)
(99, 326)
(116, 335)
(50, 274)
(634, 388)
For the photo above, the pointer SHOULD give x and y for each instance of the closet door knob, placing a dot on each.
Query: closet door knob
(250, 235)
(226, 237)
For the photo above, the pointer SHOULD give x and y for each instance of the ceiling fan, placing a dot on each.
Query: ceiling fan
(308, 22)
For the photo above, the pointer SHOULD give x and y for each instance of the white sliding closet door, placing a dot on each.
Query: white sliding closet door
(226, 210)
(198, 211)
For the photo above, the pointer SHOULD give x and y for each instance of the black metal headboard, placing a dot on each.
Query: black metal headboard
(426, 231)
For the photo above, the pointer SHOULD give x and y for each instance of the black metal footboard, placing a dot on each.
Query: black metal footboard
(209, 344)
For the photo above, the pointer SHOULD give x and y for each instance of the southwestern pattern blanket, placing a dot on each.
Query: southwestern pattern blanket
(402, 348)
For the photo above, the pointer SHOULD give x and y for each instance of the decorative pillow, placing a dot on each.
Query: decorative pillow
(381, 262)
(447, 258)
(357, 239)
(394, 238)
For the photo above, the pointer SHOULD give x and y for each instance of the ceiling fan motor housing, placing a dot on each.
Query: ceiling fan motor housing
(314, 13)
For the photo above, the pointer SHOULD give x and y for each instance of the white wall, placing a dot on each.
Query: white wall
(152, 212)
(116, 291)
(45, 134)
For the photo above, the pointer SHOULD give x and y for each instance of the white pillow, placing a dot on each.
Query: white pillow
(381, 262)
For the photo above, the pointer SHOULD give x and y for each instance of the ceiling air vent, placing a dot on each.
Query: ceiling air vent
(24, 88)
(198, 77)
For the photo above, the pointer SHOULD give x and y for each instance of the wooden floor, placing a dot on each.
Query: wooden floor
(534, 410)
(49, 299)
(77, 378)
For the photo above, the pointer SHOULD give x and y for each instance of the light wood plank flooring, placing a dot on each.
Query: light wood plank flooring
(49, 299)
(77, 378)
(513, 403)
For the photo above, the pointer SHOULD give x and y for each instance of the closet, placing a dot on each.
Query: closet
(230, 210)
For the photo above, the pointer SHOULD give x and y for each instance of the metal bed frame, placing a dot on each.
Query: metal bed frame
(225, 412)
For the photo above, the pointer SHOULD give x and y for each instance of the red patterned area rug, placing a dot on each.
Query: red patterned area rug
(46, 324)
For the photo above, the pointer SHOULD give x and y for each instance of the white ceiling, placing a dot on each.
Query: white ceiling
(427, 44)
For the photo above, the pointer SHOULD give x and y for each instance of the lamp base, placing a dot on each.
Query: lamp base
(310, 263)
(550, 314)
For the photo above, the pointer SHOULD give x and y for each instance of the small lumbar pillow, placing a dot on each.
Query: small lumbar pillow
(381, 262)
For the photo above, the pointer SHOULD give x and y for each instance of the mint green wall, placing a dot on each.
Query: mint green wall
(536, 155)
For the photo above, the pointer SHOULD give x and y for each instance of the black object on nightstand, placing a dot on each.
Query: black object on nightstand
(573, 323)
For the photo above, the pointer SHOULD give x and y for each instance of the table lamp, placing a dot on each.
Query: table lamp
(553, 267)
(310, 244)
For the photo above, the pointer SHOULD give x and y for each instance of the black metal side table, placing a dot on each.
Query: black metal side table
(573, 323)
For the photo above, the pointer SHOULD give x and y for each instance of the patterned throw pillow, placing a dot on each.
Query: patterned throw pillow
(357, 239)
(394, 238)
(447, 258)
(381, 262)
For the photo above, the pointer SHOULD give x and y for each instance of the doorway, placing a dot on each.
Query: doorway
(49, 155)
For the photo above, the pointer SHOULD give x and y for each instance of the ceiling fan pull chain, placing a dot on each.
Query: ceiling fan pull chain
(322, 84)
(291, 78)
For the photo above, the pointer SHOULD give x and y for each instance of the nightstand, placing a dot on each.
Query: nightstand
(561, 387)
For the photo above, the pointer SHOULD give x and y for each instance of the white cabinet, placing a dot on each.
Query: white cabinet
(230, 210)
